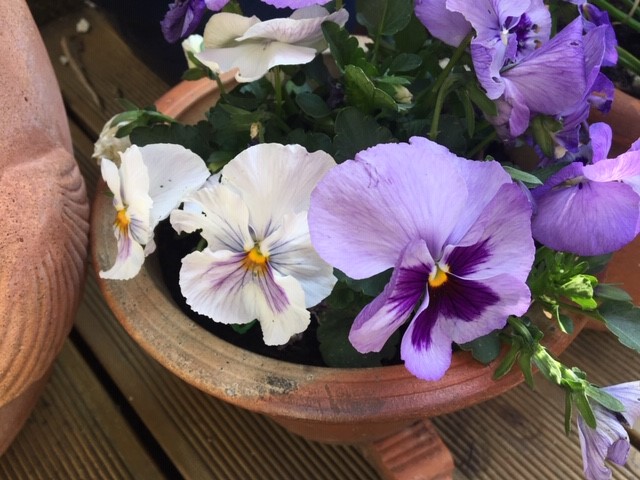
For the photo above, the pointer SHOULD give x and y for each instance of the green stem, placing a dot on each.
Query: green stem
(480, 146)
(455, 58)
(619, 15)
(628, 60)
(338, 4)
(437, 110)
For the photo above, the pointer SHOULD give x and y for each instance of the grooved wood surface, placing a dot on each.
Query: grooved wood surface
(89, 422)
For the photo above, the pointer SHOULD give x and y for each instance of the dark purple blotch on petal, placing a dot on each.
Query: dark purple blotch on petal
(465, 261)
(457, 298)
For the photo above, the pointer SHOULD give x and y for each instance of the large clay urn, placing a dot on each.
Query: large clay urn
(325, 404)
(43, 243)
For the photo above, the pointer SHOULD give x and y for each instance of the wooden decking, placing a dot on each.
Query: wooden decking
(111, 412)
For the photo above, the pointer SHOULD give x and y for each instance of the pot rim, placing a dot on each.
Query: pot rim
(261, 384)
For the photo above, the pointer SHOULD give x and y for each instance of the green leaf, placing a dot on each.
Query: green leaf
(481, 100)
(344, 48)
(568, 411)
(194, 137)
(313, 105)
(405, 62)
(484, 349)
(603, 398)
(469, 113)
(611, 292)
(362, 93)
(524, 361)
(384, 17)
(243, 327)
(219, 159)
(194, 74)
(580, 290)
(543, 128)
(623, 319)
(522, 176)
(312, 141)
(584, 407)
(411, 38)
(355, 132)
(371, 286)
(507, 362)
(565, 323)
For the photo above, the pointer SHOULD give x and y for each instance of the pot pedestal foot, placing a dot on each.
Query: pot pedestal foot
(415, 453)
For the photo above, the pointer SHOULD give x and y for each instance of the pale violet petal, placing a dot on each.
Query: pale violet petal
(214, 284)
(222, 216)
(278, 303)
(287, 30)
(291, 254)
(364, 212)
(450, 27)
(129, 258)
(388, 311)
(223, 28)
(629, 394)
(275, 180)
(174, 172)
(601, 137)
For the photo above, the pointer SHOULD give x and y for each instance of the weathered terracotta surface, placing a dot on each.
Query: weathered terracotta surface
(43, 244)
(326, 404)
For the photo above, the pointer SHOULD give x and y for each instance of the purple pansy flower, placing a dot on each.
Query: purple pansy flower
(456, 232)
(591, 209)
(593, 18)
(609, 440)
(182, 19)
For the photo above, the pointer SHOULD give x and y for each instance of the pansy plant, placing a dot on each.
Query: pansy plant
(375, 164)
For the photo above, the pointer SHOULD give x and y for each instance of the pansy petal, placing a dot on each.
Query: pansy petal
(291, 253)
(223, 28)
(629, 394)
(600, 136)
(278, 177)
(134, 178)
(619, 169)
(450, 27)
(111, 176)
(377, 321)
(129, 258)
(223, 219)
(499, 242)
(363, 211)
(212, 283)
(295, 3)
(588, 218)
(552, 78)
(174, 172)
(426, 348)
(278, 303)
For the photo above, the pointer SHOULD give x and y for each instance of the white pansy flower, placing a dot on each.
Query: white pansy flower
(259, 261)
(253, 47)
(108, 145)
(151, 181)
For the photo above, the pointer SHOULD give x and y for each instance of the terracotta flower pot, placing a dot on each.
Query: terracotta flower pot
(45, 214)
(326, 404)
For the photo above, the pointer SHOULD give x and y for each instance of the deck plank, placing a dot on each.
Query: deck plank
(76, 432)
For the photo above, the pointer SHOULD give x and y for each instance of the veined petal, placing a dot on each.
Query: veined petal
(129, 259)
(488, 16)
(362, 212)
(601, 136)
(291, 253)
(134, 178)
(111, 176)
(388, 311)
(275, 180)
(174, 172)
(584, 217)
(278, 303)
(608, 440)
(622, 168)
(295, 3)
(552, 78)
(499, 242)
(629, 394)
(213, 284)
(223, 219)
(223, 28)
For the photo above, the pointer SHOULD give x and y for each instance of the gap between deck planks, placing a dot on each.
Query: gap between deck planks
(206, 438)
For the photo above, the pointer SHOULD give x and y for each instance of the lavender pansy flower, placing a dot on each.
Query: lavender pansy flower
(258, 262)
(182, 18)
(609, 440)
(443, 24)
(591, 209)
(593, 18)
(456, 232)
(253, 47)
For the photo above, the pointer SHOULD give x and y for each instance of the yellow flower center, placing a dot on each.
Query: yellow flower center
(438, 277)
(256, 261)
(122, 220)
